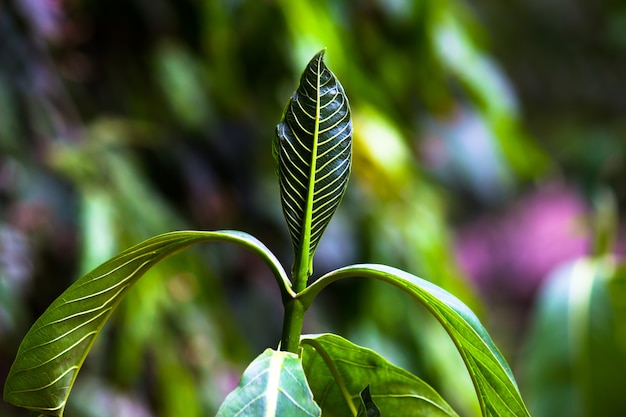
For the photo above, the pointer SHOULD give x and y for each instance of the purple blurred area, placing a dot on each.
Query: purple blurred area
(508, 255)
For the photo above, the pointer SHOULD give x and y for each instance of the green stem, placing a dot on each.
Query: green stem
(294, 309)
(292, 325)
(301, 271)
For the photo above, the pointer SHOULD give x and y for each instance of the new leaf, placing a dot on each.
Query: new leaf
(313, 147)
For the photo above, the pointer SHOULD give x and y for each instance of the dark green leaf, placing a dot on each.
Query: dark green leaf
(495, 385)
(55, 348)
(337, 371)
(313, 146)
(273, 385)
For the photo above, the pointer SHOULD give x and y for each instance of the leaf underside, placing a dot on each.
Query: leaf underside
(273, 385)
(54, 349)
(338, 371)
(313, 146)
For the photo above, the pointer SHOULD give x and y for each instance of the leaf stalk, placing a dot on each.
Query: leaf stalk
(292, 325)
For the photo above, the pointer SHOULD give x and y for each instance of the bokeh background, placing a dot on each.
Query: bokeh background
(489, 150)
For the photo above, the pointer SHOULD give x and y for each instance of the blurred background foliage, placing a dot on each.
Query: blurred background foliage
(484, 132)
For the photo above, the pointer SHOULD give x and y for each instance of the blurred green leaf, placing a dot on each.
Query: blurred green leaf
(273, 385)
(338, 371)
(98, 228)
(56, 346)
(408, 225)
(179, 399)
(576, 357)
(605, 222)
(487, 84)
(548, 363)
(313, 146)
(312, 25)
(495, 385)
(179, 76)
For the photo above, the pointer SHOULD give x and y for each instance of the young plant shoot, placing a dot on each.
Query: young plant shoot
(308, 375)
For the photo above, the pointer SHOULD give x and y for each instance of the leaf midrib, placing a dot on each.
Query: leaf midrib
(304, 263)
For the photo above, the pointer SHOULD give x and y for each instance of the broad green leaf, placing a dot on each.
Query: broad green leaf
(313, 148)
(338, 371)
(54, 349)
(493, 380)
(575, 361)
(273, 385)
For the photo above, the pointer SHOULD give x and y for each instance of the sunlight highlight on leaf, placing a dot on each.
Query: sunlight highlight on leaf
(273, 385)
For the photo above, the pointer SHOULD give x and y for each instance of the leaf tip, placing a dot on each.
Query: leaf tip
(319, 56)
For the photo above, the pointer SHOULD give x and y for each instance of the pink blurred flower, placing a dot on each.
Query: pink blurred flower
(512, 253)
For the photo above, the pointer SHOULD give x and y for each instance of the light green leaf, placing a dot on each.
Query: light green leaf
(54, 349)
(338, 371)
(493, 380)
(273, 385)
(313, 147)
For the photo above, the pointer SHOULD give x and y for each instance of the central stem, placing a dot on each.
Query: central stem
(294, 309)
(292, 325)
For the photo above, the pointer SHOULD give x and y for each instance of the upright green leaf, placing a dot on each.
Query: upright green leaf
(313, 147)
(493, 380)
(273, 385)
(575, 361)
(54, 349)
(338, 371)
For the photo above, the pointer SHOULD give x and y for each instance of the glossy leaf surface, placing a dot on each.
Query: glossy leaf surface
(273, 385)
(53, 351)
(313, 146)
(493, 380)
(338, 371)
